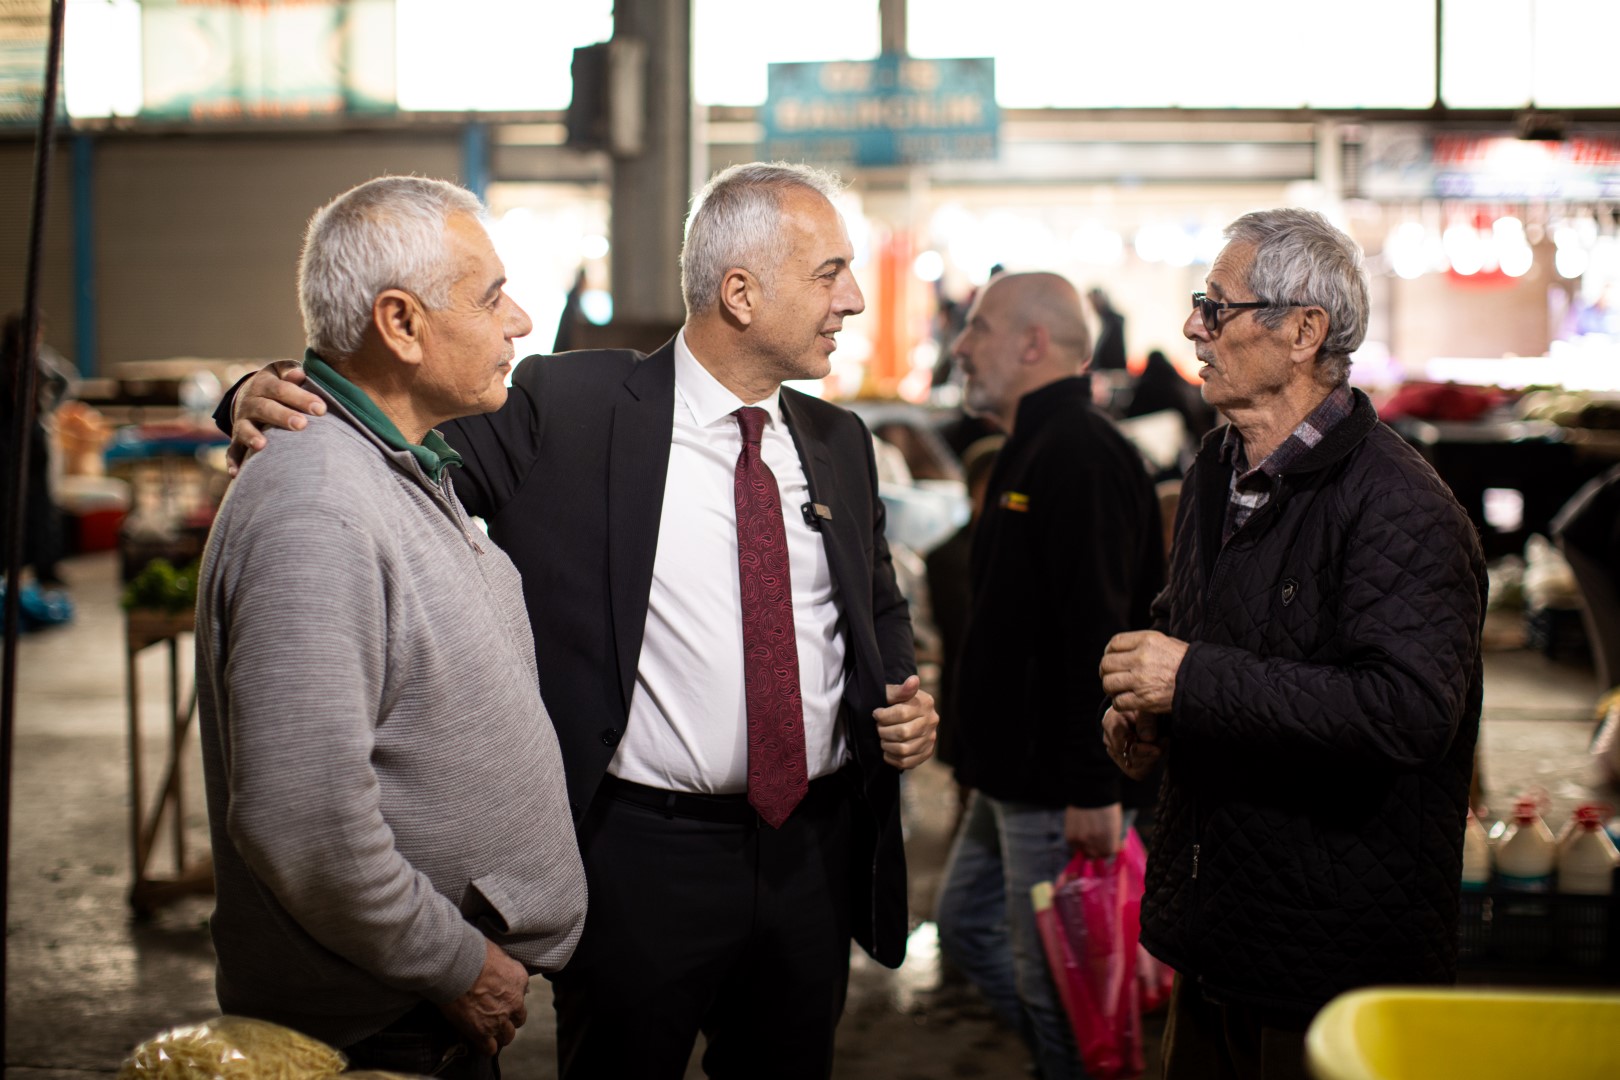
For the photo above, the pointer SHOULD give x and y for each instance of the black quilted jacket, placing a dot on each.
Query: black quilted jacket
(1323, 729)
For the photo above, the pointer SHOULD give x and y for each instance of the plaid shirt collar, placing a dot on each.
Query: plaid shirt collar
(1253, 486)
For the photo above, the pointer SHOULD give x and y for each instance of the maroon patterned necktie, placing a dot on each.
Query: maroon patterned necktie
(776, 765)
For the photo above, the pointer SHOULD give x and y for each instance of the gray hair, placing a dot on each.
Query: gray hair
(736, 221)
(1300, 258)
(388, 233)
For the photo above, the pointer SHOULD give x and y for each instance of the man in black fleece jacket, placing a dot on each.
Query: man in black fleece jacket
(1067, 554)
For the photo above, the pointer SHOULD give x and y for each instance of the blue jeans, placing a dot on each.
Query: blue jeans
(987, 921)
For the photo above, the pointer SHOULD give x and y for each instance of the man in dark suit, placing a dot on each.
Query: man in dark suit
(721, 644)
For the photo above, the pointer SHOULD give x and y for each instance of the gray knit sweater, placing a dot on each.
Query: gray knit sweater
(384, 785)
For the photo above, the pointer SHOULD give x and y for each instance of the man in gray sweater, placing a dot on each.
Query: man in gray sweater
(392, 841)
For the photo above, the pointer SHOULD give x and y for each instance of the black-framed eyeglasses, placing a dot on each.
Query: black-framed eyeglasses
(1210, 310)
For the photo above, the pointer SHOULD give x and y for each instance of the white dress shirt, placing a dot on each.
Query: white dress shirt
(688, 727)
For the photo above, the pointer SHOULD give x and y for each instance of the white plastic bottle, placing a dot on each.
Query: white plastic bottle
(1587, 857)
(1527, 852)
(1476, 871)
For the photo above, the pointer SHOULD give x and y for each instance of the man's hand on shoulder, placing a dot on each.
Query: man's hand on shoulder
(907, 725)
(490, 1013)
(273, 398)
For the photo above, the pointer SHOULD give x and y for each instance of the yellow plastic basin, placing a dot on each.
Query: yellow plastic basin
(1402, 1033)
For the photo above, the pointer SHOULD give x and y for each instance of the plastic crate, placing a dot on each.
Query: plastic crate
(1540, 934)
(1402, 1033)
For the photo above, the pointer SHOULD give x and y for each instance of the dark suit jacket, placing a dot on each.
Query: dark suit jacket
(569, 474)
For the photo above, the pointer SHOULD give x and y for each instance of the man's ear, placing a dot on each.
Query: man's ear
(1310, 330)
(740, 295)
(1037, 339)
(398, 318)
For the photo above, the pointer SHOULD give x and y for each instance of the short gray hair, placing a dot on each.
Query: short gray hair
(1300, 258)
(736, 221)
(388, 233)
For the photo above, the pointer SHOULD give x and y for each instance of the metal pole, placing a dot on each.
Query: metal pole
(86, 348)
(893, 16)
(25, 397)
(1439, 53)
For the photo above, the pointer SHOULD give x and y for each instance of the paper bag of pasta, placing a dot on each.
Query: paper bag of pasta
(232, 1048)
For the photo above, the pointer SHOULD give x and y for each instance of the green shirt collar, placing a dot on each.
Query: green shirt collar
(433, 452)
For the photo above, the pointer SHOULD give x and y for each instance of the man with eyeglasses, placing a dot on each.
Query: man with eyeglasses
(1312, 680)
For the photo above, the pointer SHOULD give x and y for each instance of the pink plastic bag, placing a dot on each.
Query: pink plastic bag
(1155, 979)
(1089, 921)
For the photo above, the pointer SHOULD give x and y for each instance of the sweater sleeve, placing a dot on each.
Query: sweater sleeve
(305, 681)
(1410, 614)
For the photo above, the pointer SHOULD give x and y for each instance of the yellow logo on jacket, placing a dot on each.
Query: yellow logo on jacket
(1015, 500)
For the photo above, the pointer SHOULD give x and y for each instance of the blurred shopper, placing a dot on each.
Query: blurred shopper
(1312, 678)
(392, 845)
(1160, 387)
(42, 521)
(1110, 352)
(722, 645)
(950, 592)
(572, 315)
(1066, 555)
(927, 455)
(963, 430)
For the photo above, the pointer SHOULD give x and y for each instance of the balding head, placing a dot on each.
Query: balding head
(1049, 302)
(1023, 332)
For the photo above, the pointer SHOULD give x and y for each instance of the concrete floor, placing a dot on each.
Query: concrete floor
(86, 982)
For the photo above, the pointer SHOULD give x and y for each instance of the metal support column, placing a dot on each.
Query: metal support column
(892, 16)
(475, 159)
(652, 188)
(85, 345)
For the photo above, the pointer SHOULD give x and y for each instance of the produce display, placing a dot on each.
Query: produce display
(159, 586)
(232, 1048)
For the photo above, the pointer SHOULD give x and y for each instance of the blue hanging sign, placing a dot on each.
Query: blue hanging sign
(895, 110)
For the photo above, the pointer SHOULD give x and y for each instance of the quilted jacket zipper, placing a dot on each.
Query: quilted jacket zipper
(1221, 562)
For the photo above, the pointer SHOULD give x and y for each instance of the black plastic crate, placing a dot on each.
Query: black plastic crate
(1474, 927)
(1544, 936)
(1586, 932)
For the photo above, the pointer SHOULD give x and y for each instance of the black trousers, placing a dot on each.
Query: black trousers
(703, 918)
(422, 1043)
(1207, 1041)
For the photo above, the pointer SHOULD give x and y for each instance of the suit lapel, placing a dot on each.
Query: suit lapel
(841, 535)
(638, 462)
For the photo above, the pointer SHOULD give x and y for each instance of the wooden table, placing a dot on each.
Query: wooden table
(191, 877)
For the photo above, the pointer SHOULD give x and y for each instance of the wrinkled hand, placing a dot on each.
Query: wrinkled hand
(1093, 831)
(273, 398)
(489, 1014)
(1133, 741)
(906, 728)
(1139, 670)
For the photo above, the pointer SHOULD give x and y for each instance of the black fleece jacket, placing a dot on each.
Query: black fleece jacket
(1068, 553)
